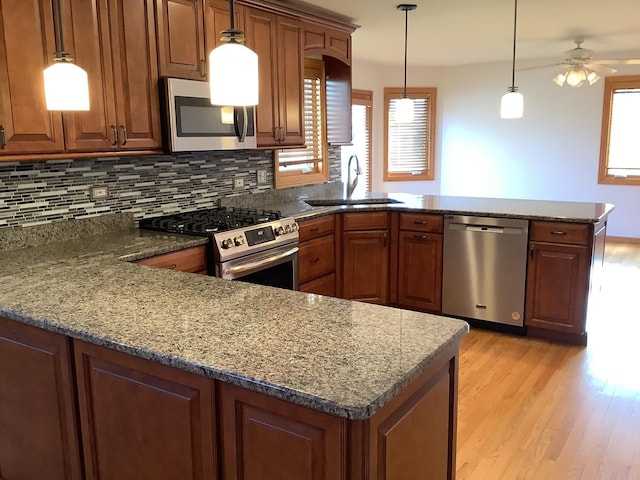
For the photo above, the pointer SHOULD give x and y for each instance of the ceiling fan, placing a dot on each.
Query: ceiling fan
(579, 66)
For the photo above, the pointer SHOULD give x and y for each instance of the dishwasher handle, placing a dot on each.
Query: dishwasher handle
(484, 229)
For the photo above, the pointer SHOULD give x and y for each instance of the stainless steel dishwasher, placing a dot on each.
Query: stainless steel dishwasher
(484, 268)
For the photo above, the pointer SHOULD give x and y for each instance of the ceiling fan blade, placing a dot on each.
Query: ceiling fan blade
(619, 61)
(604, 69)
(561, 64)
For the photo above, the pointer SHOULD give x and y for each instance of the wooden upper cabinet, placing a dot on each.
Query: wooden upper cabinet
(217, 19)
(278, 42)
(322, 40)
(27, 45)
(181, 39)
(115, 42)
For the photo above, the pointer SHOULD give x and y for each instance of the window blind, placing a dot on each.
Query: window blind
(361, 121)
(624, 145)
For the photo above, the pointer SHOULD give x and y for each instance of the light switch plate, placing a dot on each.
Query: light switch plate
(238, 182)
(262, 176)
(99, 192)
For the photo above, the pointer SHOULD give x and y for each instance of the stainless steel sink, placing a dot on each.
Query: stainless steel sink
(334, 202)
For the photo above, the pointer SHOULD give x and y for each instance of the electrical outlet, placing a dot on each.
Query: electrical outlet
(238, 182)
(99, 192)
(262, 176)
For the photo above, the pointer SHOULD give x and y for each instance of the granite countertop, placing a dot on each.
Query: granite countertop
(336, 356)
(575, 212)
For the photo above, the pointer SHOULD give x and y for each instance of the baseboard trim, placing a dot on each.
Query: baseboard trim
(623, 240)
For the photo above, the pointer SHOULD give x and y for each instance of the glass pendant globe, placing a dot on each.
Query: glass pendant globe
(233, 75)
(512, 105)
(66, 87)
(404, 110)
(575, 78)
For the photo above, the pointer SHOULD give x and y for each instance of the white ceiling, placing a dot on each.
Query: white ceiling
(458, 32)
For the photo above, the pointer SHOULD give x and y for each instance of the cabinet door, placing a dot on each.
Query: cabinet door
(95, 130)
(290, 81)
(181, 45)
(366, 266)
(135, 66)
(265, 438)
(143, 420)
(26, 48)
(217, 19)
(261, 38)
(316, 258)
(420, 271)
(557, 287)
(325, 285)
(38, 429)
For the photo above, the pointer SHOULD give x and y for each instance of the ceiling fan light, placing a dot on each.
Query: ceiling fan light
(512, 105)
(576, 77)
(592, 78)
(560, 79)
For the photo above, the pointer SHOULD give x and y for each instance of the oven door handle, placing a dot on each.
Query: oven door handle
(265, 262)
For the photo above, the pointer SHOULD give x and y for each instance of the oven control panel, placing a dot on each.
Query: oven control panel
(246, 240)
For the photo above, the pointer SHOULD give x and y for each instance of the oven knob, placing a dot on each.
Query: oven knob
(227, 243)
(278, 231)
(287, 229)
(294, 227)
(239, 240)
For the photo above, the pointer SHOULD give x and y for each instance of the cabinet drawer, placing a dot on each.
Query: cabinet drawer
(325, 285)
(558, 232)
(316, 258)
(366, 221)
(188, 260)
(317, 227)
(421, 222)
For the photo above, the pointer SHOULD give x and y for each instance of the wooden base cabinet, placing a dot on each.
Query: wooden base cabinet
(366, 248)
(420, 262)
(561, 259)
(317, 256)
(38, 427)
(143, 420)
(413, 437)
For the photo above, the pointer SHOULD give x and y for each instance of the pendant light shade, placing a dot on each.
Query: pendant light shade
(404, 106)
(512, 104)
(233, 70)
(66, 85)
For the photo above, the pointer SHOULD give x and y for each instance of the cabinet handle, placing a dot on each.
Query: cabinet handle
(315, 260)
(282, 135)
(531, 251)
(385, 235)
(314, 229)
(172, 266)
(558, 232)
(421, 237)
(202, 68)
(3, 138)
(124, 134)
(115, 135)
(416, 222)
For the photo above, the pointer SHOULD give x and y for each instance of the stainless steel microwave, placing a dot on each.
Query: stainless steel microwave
(191, 123)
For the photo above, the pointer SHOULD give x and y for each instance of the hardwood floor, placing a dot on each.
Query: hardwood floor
(533, 410)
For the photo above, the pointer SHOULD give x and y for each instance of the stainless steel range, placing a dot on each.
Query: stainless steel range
(256, 246)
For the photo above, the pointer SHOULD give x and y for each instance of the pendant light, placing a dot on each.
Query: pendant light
(233, 69)
(404, 106)
(512, 102)
(66, 86)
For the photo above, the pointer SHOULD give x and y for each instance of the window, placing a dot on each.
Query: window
(620, 144)
(408, 147)
(361, 114)
(303, 166)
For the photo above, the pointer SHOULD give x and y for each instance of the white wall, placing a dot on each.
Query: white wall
(552, 153)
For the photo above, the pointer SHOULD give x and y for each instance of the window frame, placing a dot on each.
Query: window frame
(429, 93)
(365, 98)
(321, 173)
(611, 84)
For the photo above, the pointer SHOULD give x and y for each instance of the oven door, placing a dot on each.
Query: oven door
(277, 267)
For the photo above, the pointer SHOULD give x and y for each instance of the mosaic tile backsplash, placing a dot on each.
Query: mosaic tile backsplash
(43, 192)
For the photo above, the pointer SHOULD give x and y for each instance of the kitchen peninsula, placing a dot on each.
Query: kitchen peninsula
(175, 375)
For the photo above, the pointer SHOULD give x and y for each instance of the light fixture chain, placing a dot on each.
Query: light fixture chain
(513, 64)
(406, 34)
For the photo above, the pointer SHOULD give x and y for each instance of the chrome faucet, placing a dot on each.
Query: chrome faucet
(352, 184)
